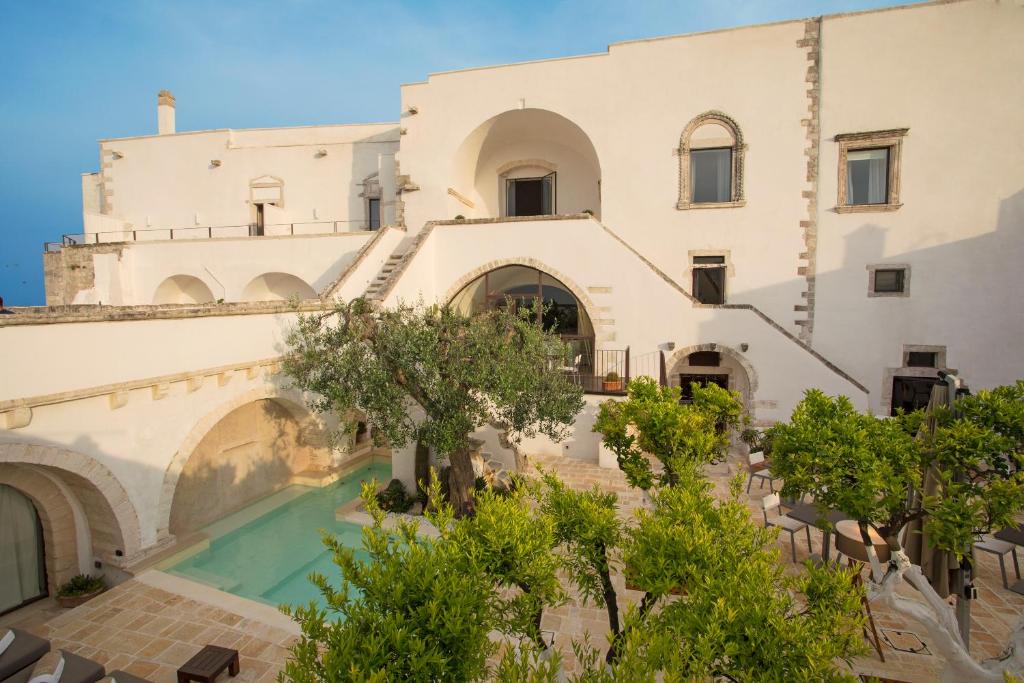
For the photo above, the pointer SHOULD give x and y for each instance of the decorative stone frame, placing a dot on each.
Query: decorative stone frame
(739, 149)
(905, 267)
(372, 190)
(893, 140)
(266, 182)
(678, 362)
(905, 370)
(730, 272)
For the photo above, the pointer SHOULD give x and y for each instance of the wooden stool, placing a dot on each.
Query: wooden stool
(208, 663)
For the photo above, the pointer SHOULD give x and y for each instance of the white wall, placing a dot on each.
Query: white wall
(225, 266)
(170, 181)
(951, 74)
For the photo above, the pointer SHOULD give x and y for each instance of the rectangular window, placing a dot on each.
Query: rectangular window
(373, 214)
(921, 359)
(867, 176)
(709, 279)
(911, 393)
(530, 196)
(711, 175)
(889, 280)
(686, 383)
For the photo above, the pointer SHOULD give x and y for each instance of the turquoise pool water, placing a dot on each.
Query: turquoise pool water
(270, 555)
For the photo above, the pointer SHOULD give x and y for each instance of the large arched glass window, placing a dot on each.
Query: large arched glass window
(524, 287)
(711, 153)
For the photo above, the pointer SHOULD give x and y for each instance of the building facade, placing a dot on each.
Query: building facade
(834, 202)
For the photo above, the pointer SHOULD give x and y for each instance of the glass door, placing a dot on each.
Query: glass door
(22, 569)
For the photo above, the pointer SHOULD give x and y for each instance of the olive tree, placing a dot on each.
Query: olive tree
(875, 470)
(431, 375)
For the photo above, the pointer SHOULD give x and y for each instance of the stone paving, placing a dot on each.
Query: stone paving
(149, 631)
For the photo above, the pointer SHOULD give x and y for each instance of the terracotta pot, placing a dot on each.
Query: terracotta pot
(69, 601)
(611, 386)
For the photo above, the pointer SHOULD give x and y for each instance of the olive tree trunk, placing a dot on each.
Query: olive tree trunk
(461, 482)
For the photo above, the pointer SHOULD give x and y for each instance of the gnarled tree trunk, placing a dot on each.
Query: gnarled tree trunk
(461, 482)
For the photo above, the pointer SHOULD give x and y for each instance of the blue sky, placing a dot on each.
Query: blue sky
(73, 72)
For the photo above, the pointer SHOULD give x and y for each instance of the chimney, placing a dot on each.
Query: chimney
(165, 112)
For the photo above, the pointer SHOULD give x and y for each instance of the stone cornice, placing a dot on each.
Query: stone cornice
(52, 315)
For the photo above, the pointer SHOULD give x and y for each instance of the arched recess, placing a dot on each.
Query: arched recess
(277, 287)
(112, 518)
(60, 538)
(182, 289)
(291, 403)
(526, 144)
(732, 364)
(525, 280)
(709, 133)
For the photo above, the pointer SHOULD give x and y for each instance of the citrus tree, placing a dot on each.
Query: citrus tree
(431, 375)
(874, 470)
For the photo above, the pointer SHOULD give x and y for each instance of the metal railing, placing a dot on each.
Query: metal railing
(592, 375)
(201, 232)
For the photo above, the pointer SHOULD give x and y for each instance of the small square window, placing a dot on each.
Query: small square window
(867, 176)
(711, 359)
(921, 359)
(711, 175)
(890, 281)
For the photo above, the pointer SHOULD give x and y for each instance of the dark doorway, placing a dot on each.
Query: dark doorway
(530, 196)
(911, 393)
(685, 382)
(257, 228)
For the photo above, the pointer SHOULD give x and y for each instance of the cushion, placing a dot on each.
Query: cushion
(6, 640)
(48, 669)
(80, 670)
(22, 651)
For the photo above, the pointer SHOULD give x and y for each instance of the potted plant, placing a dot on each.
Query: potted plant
(80, 589)
(612, 382)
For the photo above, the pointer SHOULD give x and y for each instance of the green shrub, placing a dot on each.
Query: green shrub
(395, 498)
(612, 376)
(82, 584)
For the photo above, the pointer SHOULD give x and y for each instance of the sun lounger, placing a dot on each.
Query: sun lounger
(19, 651)
(65, 667)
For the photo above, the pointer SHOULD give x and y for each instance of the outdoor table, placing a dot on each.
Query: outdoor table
(808, 513)
(1015, 535)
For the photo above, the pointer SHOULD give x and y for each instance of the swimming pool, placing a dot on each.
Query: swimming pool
(267, 556)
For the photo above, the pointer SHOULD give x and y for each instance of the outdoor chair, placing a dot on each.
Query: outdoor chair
(770, 503)
(61, 666)
(1000, 549)
(573, 369)
(759, 469)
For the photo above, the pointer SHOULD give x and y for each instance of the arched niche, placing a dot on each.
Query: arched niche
(182, 289)
(526, 145)
(277, 287)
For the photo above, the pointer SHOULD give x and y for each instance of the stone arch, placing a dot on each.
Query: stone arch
(577, 291)
(737, 145)
(182, 289)
(277, 287)
(112, 518)
(530, 137)
(60, 537)
(289, 400)
(678, 361)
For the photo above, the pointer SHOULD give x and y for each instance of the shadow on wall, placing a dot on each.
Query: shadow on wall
(963, 294)
(251, 452)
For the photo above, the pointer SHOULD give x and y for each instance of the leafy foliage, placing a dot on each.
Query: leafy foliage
(652, 420)
(874, 469)
(433, 375)
(81, 584)
(395, 498)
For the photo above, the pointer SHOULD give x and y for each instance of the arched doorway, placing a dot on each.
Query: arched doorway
(22, 560)
(560, 311)
(713, 364)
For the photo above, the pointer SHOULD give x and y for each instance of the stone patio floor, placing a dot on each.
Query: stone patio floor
(149, 628)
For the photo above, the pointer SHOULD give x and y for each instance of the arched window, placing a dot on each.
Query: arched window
(711, 152)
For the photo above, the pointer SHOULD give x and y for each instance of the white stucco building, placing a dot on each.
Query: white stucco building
(834, 202)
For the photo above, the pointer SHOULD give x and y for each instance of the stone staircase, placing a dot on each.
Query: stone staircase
(377, 287)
